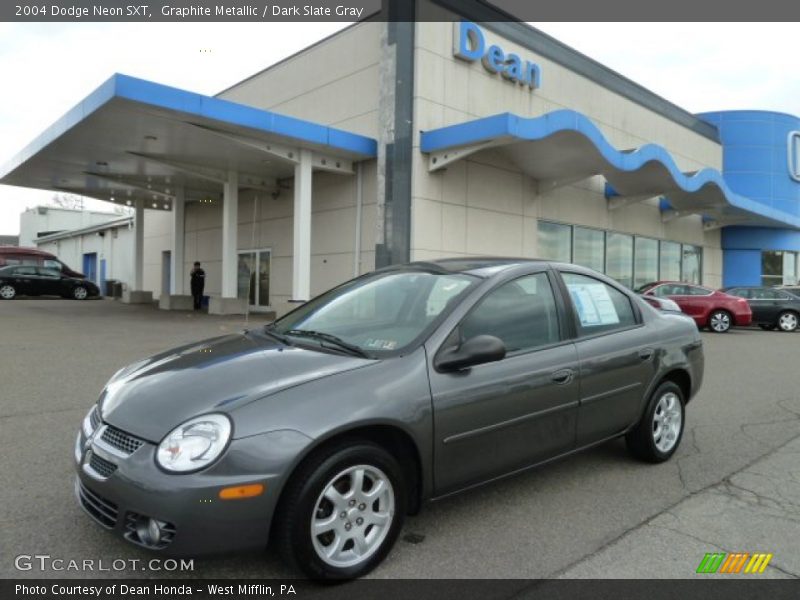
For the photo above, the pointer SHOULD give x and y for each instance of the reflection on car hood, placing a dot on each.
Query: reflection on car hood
(150, 398)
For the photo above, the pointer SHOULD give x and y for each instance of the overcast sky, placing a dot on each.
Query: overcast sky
(48, 68)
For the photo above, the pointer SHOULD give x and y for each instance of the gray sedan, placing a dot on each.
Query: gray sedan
(322, 431)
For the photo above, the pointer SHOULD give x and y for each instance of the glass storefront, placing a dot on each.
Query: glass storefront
(253, 277)
(669, 261)
(555, 241)
(631, 260)
(779, 268)
(619, 257)
(645, 263)
(588, 248)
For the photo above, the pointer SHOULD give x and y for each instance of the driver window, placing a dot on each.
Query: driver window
(522, 313)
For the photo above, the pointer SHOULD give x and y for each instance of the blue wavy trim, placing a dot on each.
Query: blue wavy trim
(516, 128)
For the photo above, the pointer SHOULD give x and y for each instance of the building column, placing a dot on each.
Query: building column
(178, 233)
(228, 303)
(138, 245)
(176, 298)
(135, 294)
(301, 259)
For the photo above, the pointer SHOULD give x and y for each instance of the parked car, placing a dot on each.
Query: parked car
(28, 280)
(664, 304)
(772, 308)
(709, 308)
(325, 428)
(17, 255)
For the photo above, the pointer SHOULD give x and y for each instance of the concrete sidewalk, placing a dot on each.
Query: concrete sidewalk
(757, 509)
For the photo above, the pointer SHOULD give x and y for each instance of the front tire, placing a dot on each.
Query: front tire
(80, 292)
(656, 437)
(8, 291)
(720, 321)
(787, 321)
(342, 511)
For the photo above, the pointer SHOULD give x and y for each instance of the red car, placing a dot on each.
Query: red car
(709, 308)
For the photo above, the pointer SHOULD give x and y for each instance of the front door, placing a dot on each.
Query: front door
(253, 270)
(502, 416)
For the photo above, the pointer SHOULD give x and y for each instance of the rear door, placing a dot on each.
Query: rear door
(50, 282)
(502, 416)
(616, 353)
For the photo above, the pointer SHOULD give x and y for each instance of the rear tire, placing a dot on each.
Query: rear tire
(342, 511)
(720, 321)
(8, 291)
(787, 321)
(658, 434)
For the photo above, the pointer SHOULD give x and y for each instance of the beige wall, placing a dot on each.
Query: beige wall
(484, 205)
(334, 82)
(157, 240)
(267, 223)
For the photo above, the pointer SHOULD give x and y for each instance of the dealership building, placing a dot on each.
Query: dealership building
(390, 142)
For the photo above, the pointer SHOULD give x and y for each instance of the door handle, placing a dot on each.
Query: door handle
(646, 353)
(563, 376)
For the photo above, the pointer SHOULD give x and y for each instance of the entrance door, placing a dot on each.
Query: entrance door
(90, 266)
(253, 278)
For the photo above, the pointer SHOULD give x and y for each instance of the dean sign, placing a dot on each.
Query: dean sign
(469, 44)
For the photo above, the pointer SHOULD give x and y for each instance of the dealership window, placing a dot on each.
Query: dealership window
(588, 248)
(669, 261)
(619, 258)
(632, 261)
(645, 264)
(555, 241)
(779, 268)
(691, 264)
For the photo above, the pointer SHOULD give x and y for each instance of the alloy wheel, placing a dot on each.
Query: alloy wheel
(352, 516)
(7, 292)
(79, 293)
(667, 422)
(787, 321)
(720, 322)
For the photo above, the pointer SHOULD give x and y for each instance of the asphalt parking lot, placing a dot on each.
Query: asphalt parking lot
(576, 517)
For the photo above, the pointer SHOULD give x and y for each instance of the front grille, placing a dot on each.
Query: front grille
(101, 466)
(94, 418)
(121, 440)
(101, 510)
(167, 531)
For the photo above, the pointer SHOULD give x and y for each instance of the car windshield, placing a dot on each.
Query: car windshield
(376, 314)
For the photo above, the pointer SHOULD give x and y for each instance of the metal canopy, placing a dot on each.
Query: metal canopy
(132, 139)
(564, 146)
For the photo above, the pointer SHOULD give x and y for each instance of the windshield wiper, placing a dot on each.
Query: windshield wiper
(278, 336)
(328, 337)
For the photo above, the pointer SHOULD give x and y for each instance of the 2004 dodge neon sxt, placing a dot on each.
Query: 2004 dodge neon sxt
(324, 429)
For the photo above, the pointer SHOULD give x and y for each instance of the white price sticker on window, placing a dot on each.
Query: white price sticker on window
(594, 304)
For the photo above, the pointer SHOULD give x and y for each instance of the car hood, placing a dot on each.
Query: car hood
(150, 398)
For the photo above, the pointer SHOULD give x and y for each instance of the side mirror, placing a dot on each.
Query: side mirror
(475, 351)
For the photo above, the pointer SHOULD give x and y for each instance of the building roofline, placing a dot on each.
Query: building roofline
(115, 224)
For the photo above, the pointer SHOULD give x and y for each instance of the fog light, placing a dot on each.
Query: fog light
(148, 531)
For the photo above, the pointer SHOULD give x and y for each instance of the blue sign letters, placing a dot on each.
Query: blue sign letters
(469, 44)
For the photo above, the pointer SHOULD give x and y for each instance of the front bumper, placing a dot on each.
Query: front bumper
(117, 487)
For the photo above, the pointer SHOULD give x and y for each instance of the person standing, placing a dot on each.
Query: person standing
(198, 283)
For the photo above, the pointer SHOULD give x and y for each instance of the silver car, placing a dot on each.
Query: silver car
(322, 431)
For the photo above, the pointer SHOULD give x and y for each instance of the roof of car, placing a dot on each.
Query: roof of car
(479, 265)
(24, 250)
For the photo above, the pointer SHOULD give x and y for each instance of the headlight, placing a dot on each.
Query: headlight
(195, 444)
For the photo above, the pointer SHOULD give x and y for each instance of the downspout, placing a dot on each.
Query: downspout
(359, 203)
